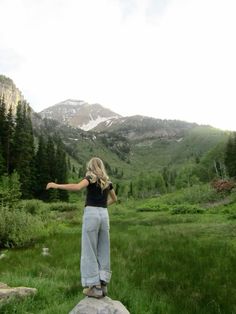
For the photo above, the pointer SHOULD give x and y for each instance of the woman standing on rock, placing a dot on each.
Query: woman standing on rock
(95, 244)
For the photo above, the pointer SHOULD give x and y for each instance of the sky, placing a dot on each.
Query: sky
(168, 59)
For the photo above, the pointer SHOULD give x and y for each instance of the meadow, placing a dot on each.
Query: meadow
(171, 254)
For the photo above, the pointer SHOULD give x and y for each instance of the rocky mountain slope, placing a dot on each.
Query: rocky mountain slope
(141, 127)
(10, 92)
(79, 114)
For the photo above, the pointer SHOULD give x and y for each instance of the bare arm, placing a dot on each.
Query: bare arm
(112, 198)
(68, 187)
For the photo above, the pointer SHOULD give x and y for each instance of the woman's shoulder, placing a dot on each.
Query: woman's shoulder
(90, 177)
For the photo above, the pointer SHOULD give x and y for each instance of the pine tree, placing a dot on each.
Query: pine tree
(9, 144)
(42, 177)
(61, 168)
(230, 155)
(23, 150)
(51, 168)
(2, 163)
(3, 132)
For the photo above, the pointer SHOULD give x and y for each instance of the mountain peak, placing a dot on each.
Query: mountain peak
(79, 114)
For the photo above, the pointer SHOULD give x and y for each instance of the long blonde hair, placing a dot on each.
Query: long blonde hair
(96, 170)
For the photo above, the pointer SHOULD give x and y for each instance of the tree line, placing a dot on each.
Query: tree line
(36, 160)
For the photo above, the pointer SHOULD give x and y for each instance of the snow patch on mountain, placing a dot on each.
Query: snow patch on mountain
(93, 123)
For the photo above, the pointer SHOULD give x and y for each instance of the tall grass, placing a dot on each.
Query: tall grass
(161, 263)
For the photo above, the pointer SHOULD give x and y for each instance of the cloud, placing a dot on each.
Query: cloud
(167, 59)
(9, 60)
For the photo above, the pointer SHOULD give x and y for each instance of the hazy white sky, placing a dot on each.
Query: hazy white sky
(170, 59)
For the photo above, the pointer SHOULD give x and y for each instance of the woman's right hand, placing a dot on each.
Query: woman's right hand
(51, 185)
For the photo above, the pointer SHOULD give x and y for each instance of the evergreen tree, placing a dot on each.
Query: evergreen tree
(130, 193)
(23, 150)
(61, 168)
(51, 168)
(3, 132)
(42, 177)
(2, 163)
(230, 155)
(9, 190)
(9, 143)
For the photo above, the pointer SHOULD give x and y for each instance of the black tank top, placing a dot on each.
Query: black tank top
(95, 195)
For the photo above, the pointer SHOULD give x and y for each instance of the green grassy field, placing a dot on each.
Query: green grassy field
(161, 263)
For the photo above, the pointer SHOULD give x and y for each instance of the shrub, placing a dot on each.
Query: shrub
(36, 207)
(33, 207)
(18, 228)
(232, 216)
(187, 209)
(223, 186)
(62, 206)
(152, 205)
(196, 194)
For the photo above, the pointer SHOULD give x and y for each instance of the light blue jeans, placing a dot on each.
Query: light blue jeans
(95, 246)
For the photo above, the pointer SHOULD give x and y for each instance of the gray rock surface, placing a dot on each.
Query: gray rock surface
(7, 292)
(99, 306)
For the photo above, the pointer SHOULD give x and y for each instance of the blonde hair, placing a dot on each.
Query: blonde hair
(96, 170)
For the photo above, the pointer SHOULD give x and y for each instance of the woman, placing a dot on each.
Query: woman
(95, 244)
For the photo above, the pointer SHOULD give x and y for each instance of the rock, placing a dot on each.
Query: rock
(99, 306)
(45, 251)
(7, 292)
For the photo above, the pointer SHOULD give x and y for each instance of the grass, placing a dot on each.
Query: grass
(161, 263)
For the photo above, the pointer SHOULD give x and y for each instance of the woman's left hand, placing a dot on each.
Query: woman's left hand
(51, 185)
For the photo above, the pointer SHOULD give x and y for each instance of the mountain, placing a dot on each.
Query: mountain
(128, 145)
(10, 92)
(78, 114)
(141, 127)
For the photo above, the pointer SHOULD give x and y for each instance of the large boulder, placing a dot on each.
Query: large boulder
(99, 306)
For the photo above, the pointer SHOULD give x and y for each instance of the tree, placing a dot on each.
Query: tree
(41, 170)
(2, 163)
(3, 135)
(23, 150)
(51, 168)
(61, 167)
(9, 144)
(9, 190)
(230, 155)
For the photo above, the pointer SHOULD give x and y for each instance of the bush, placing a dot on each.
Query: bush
(192, 195)
(223, 186)
(36, 207)
(232, 216)
(187, 209)
(18, 228)
(62, 206)
(152, 205)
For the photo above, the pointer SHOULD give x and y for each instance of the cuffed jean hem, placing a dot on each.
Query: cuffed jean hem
(105, 275)
(93, 281)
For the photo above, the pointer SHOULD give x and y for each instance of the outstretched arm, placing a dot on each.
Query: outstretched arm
(68, 187)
